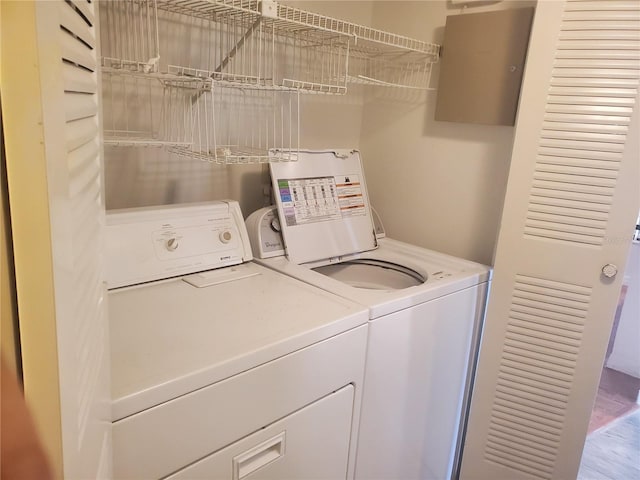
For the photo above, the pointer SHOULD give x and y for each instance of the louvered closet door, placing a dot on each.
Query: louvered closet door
(54, 165)
(572, 197)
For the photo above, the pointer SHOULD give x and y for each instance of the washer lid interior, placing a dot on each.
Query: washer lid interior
(323, 205)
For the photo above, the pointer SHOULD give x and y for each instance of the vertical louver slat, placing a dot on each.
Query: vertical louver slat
(72, 21)
(593, 89)
(612, 5)
(76, 52)
(83, 163)
(78, 44)
(92, 196)
(85, 9)
(77, 80)
(80, 132)
(79, 105)
(544, 334)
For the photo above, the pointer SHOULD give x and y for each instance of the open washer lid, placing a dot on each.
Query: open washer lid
(323, 205)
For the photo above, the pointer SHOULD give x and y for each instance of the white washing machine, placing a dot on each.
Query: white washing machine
(222, 368)
(425, 311)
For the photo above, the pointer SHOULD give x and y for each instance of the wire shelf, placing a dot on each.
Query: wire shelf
(129, 110)
(130, 139)
(231, 125)
(264, 44)
(200, 119)
(214, 10)
(137, 112)
(232, 94)
(408, 71)
(233, 155)
(365, 38)
(270, 45)
(376, 57)
(129, 35)
(250, 46)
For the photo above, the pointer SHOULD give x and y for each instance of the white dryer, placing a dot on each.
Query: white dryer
(425, 311)
(222, 368)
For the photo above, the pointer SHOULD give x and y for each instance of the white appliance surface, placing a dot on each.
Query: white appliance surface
(425, 310)
(199, 336)
(299, 442)
(154, 243)
(169, 338)
(444, 275)
(421, 348)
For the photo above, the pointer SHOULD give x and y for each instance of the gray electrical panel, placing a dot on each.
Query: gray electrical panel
(483, 57)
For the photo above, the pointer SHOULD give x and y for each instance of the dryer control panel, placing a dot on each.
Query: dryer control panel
(146, 244)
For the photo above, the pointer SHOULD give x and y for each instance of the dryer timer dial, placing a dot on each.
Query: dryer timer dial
(171, 244)
(225, 236)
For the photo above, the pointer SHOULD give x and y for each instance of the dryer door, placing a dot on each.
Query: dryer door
(310, 443)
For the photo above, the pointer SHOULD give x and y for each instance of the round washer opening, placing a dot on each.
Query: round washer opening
(373, 274)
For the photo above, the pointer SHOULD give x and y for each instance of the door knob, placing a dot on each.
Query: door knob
(609, 270)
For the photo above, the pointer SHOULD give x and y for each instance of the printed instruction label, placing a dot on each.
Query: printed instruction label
(307, 200)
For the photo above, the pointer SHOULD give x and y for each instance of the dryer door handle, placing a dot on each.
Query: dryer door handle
(259, 456)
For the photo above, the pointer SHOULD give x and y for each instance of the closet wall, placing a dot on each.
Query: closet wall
(435, 184)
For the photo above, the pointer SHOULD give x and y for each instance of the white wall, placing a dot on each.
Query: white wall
(625, 356)
(435, 184)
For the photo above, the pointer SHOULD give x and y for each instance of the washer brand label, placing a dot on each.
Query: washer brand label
(271, 246)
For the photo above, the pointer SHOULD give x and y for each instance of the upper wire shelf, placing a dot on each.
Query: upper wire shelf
(226, 87)
(252, 47)
(295, 20)
(377, 57)
(264, 44)
(366, 39)
(330, 52)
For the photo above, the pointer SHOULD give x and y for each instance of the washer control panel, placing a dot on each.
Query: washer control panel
(154, 243)
(263, 227)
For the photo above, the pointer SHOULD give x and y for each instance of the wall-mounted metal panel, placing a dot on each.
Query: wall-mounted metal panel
(483, 57)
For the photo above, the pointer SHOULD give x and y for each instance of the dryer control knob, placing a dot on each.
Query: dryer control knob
(225, 237)
(172, 244)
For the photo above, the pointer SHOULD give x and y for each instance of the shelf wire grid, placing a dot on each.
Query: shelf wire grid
(254, 49)
(129, 35)
(234, 125)
(376, 57)
(251, 45)
(267, 28)
(246, 46)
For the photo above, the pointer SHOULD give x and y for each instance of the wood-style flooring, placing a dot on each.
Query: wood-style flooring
(617, 392)
(612, 446)
(613, 452)
(617, 395)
